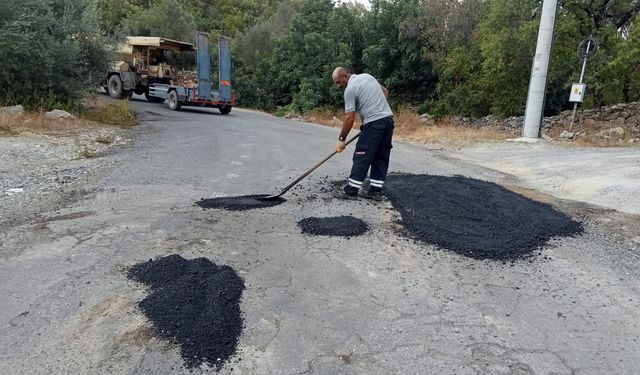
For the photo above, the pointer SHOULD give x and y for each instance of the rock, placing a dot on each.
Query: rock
(616, 131)
(590, 122)
(14, 191)
(58, 114)
(618, 121)
(610, 132)
(425, 117)
(633, 119)
(567, 135)
(14, 109)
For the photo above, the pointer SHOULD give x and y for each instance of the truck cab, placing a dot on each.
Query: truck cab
(143, 61)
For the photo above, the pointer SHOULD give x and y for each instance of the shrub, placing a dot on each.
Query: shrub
(51, 52)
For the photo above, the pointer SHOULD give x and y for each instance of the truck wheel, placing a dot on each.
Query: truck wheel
(115, 86)
(174, 102)
(153, 99)
(139, 90)
(225, 110)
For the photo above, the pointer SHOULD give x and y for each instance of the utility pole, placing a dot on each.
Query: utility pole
(539, 71)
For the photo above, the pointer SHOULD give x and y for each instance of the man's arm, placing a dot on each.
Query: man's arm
(385, 92)
(347, 125)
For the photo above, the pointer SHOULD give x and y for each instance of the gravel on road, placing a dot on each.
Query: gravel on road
(345, 226)
(475, 218)
(194, 303)
(241, 203)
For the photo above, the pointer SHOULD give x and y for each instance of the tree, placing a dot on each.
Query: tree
(395, 51)
(164, 18)
(114, 12)
(620, 76)
(304, 57)
(50, 50)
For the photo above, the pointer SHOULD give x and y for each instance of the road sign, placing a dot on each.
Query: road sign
(588, 48)
(577, 92)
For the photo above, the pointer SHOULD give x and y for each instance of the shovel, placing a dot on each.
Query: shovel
(294, 183)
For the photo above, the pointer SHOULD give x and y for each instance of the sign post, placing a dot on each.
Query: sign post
(586, 50)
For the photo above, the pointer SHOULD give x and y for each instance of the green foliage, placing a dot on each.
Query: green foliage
(488, 70)
(294, 67)
(449, 57)
(507, 41)
(395, 51)
(51, 52)
(113, 12)
(622, 72)
(165, 18)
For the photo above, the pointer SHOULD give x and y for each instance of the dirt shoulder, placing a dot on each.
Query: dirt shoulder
(615, 126)
(46, 164)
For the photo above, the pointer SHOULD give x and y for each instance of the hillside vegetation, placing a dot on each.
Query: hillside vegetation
(445, 57)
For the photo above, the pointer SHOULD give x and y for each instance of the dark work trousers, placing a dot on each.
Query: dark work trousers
(372, 151)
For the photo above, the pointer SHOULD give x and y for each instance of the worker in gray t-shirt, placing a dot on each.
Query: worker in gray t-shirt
(363, 94)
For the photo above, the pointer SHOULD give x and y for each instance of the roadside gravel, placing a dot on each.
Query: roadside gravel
(42, 172)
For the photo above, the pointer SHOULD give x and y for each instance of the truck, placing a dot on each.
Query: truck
(153, 66)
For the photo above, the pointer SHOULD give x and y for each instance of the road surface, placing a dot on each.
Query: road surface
(376, 304)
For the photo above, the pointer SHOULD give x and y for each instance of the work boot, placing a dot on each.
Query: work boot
(344, 195)
(375, 195)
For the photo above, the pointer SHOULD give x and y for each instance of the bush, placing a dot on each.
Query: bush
(113, 114)
(51, 51)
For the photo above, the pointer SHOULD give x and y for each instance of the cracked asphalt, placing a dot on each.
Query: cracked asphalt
(375, 304)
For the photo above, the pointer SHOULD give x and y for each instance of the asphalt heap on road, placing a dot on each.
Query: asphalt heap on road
(475, 218)
(241, 203)
(194, 303)
(344, 226)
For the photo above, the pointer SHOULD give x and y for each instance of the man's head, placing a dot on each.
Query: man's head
(340, 77)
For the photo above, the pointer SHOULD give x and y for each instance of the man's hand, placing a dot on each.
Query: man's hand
(340, 147)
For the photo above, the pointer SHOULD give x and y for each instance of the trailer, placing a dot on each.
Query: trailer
(195, 88)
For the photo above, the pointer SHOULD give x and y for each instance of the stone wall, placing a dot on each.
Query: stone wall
(617, 120)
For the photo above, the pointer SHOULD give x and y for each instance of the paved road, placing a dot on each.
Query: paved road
(378, 304)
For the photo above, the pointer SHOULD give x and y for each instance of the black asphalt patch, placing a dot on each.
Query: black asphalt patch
(475, 218)
(345, 226)
(241, 203)
(194, 303)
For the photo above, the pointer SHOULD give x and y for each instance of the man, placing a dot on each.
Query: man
(363, 94)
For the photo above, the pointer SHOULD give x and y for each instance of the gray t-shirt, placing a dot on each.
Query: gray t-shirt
(364, 95)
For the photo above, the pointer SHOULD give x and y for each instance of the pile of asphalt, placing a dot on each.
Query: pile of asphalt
(241, 203)
(194, 303)
(344, 226)
(475, 218)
